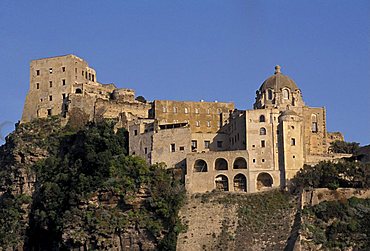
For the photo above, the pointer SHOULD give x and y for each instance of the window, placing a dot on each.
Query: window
(63, 82)
(50, 98)
(78, 91)
(93, 77)
(51, 84)
(49, 112)
(314, 127)
(263, 143)
(145, 150)
(175, 109)
(135, 132)
(262, 131)
(208, 123)
(206, 144)
(89, 76)
(219, 144)
(263, 160)
(164, 109)
(292, 141)
(63, 96)
(208, 111)
(182, 148)
(83, 73)
(254, 160)
(37, 85)
(194, 145)
(196, 110)
(64, 69)
(86, 74)
(186, 110)
(197, 123)
(50, 70)
(262, 118)
(285, 94)
(173, 148)
(38, 72)
(269, 94)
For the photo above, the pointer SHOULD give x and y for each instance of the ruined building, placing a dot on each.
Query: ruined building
(217, 146)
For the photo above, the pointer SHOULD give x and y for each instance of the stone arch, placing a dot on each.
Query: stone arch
(200, 166)
(240, 183)
(240, 163)
(262, 118)
(78, 91)
(264, 180)
(222, 182)
(221, 164)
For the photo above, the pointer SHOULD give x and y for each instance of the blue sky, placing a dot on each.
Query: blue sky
(192, 50)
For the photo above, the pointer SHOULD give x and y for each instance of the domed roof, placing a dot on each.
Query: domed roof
(278, 81)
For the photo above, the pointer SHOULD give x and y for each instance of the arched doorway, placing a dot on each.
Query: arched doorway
(221, 164)
(222, 183)
(200, 166)
(264, 180)
(240, 163)
(240, 183)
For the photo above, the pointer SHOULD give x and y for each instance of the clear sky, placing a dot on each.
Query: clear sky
(199, 49)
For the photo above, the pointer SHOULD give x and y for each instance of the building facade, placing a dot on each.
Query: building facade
(216, 145)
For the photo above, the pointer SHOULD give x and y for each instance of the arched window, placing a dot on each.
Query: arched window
(262, 118)
(186, 110)
(240, 163)
(269, 94)
(222, 183)
(314, 123)
(285, 94)
(262, 131)
(221, 164)
(264, 180)
(240, 183)
(200, 166)
(78, 91)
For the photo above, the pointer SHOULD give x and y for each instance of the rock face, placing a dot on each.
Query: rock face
(23, 148)
(224, 221)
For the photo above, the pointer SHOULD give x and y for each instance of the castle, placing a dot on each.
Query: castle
(216, 145)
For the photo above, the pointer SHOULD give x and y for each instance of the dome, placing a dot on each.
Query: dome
(278, 81)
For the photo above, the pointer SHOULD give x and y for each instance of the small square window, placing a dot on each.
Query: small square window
(194, 145)
(263, 160)
(50, 70)
(206, 144)
(292, 141)
(182, 148)
(49, 112)
(219, 144)
(254, 160)
(263, 143)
